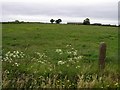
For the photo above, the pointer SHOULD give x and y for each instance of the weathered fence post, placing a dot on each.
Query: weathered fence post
(102, 55)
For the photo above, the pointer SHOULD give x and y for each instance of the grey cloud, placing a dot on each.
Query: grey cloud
(108, 11)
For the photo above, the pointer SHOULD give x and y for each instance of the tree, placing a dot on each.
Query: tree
(58, 21)
(86, 21)
(52, 20)
(16, 21)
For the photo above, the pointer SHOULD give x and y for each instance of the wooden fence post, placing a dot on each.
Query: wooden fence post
(102, 55)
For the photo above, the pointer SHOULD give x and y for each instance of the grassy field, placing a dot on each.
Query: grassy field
(58, 56)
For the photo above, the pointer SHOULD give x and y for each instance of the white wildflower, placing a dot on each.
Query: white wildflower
(16, 64)
(11, 54)
(17, 52)
(10, 61)
(6, 58)
(6, 55)
(70, 59)
(69, 45)
(58, 50)
(77, 66)
(50, 69)
(39, 61)
(67, 65)
(68, 52)
(61, 62)
(7, 71)
(72, 48)
(80, 57)
(8, 52)
(42, 62)
(14, 51)
(75, 52)
(116, 84)
(14, 56)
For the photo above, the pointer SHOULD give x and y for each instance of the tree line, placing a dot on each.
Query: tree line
(85, 22)
(58, 21)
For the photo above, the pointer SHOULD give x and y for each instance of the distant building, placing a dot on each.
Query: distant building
(75, 23)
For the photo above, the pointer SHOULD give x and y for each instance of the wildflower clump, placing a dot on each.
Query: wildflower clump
(60, 68)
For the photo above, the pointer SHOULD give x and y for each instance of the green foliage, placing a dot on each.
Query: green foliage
(86, 21)
(52, 20)
(58, 21)
(16, 21)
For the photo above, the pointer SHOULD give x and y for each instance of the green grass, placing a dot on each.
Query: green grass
(41, 37)
(39, 43)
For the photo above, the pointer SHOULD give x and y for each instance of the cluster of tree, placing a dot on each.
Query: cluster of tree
(20, 22)
(56, 21)
(86, 21)
(13, 22)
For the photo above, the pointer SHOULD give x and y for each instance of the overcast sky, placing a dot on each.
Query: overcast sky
(99, 11)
